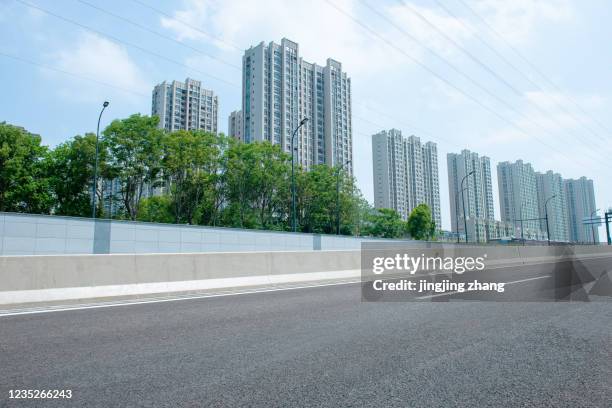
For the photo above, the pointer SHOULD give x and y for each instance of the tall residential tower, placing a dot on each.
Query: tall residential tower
(185, 105)
(518, 195)
(580, 197)
(405, 173)
(477, 194)
(235, 127)
(279, 89)
(551, 189)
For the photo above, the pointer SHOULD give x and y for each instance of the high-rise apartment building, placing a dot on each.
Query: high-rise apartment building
(518, 196)
(185, 105)
(405, 173)
(235, 126)
(551, 189)
(477, 194)
(431, 181)
(279, 89)
(580, 197)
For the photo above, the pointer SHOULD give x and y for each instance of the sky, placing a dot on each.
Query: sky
(521, 79)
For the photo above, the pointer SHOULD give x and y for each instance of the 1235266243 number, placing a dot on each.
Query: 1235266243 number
(40, 394)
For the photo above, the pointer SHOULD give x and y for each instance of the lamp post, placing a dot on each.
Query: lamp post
(338, 195)
(95, 180)
(593, 225)
(608, 218)
(546, 214)
(457, 212)
(522, 230)
(293, 214)
(463, 205)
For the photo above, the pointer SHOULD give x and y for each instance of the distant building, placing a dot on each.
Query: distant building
(549, 185)
(185, 106)
(279, 89)
(580, 197)
(235, 126)
(405, 173)
(477, 196)
(518, 196)
(486, 230)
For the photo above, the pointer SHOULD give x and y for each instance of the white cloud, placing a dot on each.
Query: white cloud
(516, 20)
(407, 17)
(195, 13)
(384, 80)
(95, 57)
(550, 119)
(320, 30)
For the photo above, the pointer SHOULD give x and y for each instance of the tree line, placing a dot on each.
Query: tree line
(188, 177)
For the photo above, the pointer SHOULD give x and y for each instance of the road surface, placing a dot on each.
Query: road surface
(319, 346)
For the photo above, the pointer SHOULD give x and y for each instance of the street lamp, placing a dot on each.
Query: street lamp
(293, 213)
(463, 205)
(593, 224)
(338, 195)
(95, 180)
(457, 211)
(546, 214)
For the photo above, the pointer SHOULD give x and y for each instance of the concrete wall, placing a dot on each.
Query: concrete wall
(25, 279)
(26, 234)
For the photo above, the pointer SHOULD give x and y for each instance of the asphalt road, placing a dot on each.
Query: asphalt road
(315, 347)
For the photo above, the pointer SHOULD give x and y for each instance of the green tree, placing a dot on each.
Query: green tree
(316, 199)
(192, 165)
(23, 186)
(319, 203)
(271, 176)
(386, 223)
(420, 223)
(69, 169)
(360, 213)
(156, 209)
(134, 158)
(257, 180)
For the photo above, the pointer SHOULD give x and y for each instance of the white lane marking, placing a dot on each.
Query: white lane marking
(63, 308)
(86, 294)
(505, 283)
(162, 299)
(172, 298)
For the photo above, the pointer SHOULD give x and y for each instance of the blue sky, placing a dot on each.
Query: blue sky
(564, 126)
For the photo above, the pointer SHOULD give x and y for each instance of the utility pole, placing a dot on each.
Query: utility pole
(95, 180)
(293, 215)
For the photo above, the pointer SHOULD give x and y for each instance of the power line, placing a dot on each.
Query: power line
(459, 71)
(183, 44)
(186, 24)
(511, 65)
(399, 121)
(441, 78)
(436, 139)
(158, 34)
(538, 71)
(120, 41)
(79, 76)
(478, 61)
